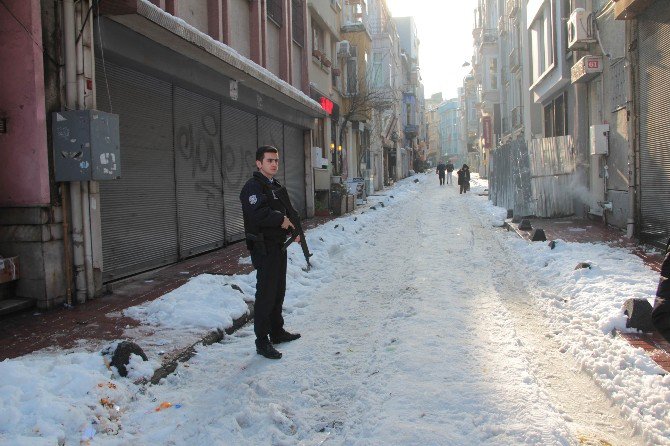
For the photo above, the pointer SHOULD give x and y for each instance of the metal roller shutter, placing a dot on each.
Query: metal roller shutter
(294, 164)
(270, 132)
(654, 77)
(138, 211)
(239, 139)
(197, 122)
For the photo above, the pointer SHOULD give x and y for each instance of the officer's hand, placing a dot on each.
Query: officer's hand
(287, 224)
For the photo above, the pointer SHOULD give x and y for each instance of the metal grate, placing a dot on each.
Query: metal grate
(654, 76)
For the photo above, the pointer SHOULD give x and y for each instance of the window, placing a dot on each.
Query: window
(556, 117)
(274, 10)
(317, 37)
(493, 73)
(297, 22)
(352, 75)
(542, 42)
(377, 70)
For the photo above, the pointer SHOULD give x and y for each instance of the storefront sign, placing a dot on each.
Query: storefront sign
(586, 68)
(326, 104)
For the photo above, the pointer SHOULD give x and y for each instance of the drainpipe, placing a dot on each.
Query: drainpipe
(69, 36)
(85, 202)
(631, 31)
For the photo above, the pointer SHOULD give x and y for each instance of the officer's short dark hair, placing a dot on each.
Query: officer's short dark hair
(262, 150)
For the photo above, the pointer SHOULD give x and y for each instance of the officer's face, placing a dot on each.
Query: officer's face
(269, 165)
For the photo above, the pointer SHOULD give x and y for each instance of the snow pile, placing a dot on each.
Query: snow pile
(206, 302)
(51, 398)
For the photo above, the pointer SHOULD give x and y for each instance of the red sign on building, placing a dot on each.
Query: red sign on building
(487, 132)
(326, 104)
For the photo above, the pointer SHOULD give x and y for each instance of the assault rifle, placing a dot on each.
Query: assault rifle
(282, 195)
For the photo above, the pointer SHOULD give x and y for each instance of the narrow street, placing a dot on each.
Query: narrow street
(417, 330)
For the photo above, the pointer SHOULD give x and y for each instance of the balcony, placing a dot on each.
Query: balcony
(502, 25)
(512, 7)
(514, 60)
(486, 37)
(411, 130)
(517, 117)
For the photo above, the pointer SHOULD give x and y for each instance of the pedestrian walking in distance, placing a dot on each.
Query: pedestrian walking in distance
(450, 173)
(267, 226)
(440, 172)
(464, 178)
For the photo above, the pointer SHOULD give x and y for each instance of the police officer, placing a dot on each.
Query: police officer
(660, 315)
(267, 226)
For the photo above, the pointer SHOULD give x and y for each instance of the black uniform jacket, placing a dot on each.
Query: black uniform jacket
(663, 290)
(262, 210)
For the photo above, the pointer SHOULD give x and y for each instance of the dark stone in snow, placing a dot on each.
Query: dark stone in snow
(525, 225)
(538, 235)
(582, 265)
(416, 181)
(235, 287)
(552, 244)
(121, 356)
(638, 312)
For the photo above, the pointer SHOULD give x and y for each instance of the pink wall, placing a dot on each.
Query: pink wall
(24, 166)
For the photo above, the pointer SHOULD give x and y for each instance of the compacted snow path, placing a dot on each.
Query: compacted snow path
(423, 324)
(408, 339)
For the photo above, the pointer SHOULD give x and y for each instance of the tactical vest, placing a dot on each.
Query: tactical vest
(267, 234)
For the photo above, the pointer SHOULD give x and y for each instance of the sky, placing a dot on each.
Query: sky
(423, 322)
(445, 32)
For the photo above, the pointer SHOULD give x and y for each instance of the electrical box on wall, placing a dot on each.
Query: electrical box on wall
(599, 139)
(86, 145)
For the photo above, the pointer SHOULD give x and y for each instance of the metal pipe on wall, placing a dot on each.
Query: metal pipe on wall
(69, 36)
(631, 31)
(80, 16)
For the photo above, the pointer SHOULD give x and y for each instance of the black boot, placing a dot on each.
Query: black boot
(283, 336)
(265, 348)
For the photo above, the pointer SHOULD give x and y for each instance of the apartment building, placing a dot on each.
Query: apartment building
(196, 87)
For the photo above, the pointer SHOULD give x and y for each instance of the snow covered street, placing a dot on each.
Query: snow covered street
(423, 323)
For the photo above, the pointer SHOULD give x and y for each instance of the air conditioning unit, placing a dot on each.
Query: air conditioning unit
(343, 48)
(580, 29)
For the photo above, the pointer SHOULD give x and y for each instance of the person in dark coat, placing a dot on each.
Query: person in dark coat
(464, 178)
(440, 172)
(450, 170)
(267, 226)
(660, 315)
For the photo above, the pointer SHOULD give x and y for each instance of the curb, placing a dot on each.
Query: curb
(171, 361)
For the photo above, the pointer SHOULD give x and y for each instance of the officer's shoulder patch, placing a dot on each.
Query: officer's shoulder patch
(253, 199)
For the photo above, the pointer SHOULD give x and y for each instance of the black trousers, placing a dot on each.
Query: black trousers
(270, 289)
(441, 175)
(660, 315)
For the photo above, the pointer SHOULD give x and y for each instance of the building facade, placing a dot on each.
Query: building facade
(196, 86)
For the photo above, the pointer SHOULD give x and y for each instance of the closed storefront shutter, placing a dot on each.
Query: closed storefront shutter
(197, 124)
(270, 133)
(239, 137)
(654, 78)
(294, 165)
(138, 211)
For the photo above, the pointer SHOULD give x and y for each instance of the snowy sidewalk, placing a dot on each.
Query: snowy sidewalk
(423, 322)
